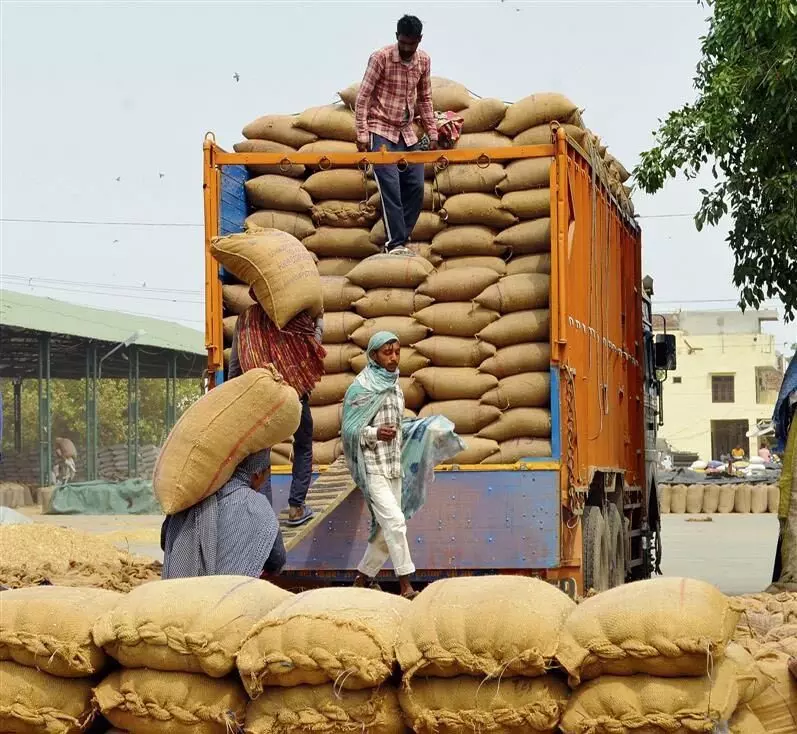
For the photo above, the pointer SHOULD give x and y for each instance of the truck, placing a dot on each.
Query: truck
(585, 517)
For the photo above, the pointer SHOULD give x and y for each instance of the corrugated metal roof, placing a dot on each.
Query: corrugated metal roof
(59, 317)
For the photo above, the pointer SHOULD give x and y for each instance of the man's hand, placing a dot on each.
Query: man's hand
(386, 433)
(362, 147)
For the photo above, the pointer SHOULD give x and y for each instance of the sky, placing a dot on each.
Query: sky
(104, 106)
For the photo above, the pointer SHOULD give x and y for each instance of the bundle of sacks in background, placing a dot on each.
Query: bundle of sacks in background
(474, 315)
(709, 498)
(475, 655)
(322, 661)
(655, 655)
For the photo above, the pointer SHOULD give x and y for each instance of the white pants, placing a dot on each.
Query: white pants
(391, 536)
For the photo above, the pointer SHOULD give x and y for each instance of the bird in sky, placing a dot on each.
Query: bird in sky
(236, 76)
(118, 178)
(161, 175)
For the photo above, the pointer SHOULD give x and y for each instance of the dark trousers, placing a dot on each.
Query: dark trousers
(277, 557)
(401, 192)
(302, 456)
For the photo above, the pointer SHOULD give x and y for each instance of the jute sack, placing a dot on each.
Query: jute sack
(536, 109)
(338, 293)
(467, 241)
(517, 293)
(327, 452)
(468, 416)
(665, 627)
(526, 390)
(236, 298)
(476, 261)
(331, 389)
(427, 226)
(332, 122)
(410, 361)
(758, 498)
(336, 265)
(339, 183)
(483, 141)
(340, 635)
(527, 238)
(517, 449)
(743, 500)
(694, 499)
(347, 214)
(773, 498)
(278, 129)
(539, 263)
(339, 357)
(226, 355)
(776, 707)
(279, 269)
(187, 625)
(464, 705)
(518, 328)
(476, 451)
(391, 302)
(727, 498)
(340, 242)
(461, 284)
(482, 209)
(454, 383)
(295, 170)
(283, 193)
(745, 721)
(544, 135)
(455, 319)
(528, 204)
(482, 115)
(153, 702)
(493, 626)
(349, 95)
(340, 325)
(390, 271)
(519, 423)
(678, 499)
(228, 327)
(663, 491)
(470, 178)
(406, 328)
(527, 173)
(32, 702)
(218, 432)
(326, 421)
(455, 351)
(322, 148)
(433, 199)
(448, 95)
(298, 225)
(49, 628)
(643, 703)
(414, 394)
(711, 499)
(325, 710)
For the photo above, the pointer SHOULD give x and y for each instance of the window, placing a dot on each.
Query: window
(676, 380)
(722, 389)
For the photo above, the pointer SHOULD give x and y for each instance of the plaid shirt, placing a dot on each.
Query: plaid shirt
(384, 457)
(390, 92)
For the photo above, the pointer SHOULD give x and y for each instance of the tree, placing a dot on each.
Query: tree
(743, 129)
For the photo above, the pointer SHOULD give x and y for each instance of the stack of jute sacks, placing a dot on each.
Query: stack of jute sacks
(49, 663)
(484, 236)
(657, 655)
(475, 654)
(721, 498)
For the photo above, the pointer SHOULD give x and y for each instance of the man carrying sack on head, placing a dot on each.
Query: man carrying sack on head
(296, 353)
(397, 82)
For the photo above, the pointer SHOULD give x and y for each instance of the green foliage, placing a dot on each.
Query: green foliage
(743, 128)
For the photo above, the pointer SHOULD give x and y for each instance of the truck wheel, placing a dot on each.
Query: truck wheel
(596, 550)
(615, 533)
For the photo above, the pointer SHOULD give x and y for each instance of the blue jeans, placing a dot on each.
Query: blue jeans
(401, 193)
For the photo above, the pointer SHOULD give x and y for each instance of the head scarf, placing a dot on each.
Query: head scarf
(375, 378)
(230, 532)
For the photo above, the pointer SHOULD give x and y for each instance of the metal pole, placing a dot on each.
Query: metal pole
(132, 413)
(18, 414)
(91, 412)
(45, 417)
(171, 392)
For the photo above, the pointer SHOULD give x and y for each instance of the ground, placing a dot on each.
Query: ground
(735, 552)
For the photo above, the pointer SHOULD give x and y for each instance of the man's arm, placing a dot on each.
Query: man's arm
(373, 73)
(425, 107)
(234, 367)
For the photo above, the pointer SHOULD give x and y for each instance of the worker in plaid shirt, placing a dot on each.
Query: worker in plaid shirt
(397, 87)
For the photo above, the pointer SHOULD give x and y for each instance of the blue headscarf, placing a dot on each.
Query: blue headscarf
(425, 442)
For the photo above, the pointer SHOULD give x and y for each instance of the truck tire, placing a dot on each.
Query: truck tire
(616, 534)
(596, 550)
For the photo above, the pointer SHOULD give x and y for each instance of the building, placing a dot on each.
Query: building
(726, 381)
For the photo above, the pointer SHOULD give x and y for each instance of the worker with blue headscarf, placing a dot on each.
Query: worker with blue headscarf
(392, 459)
